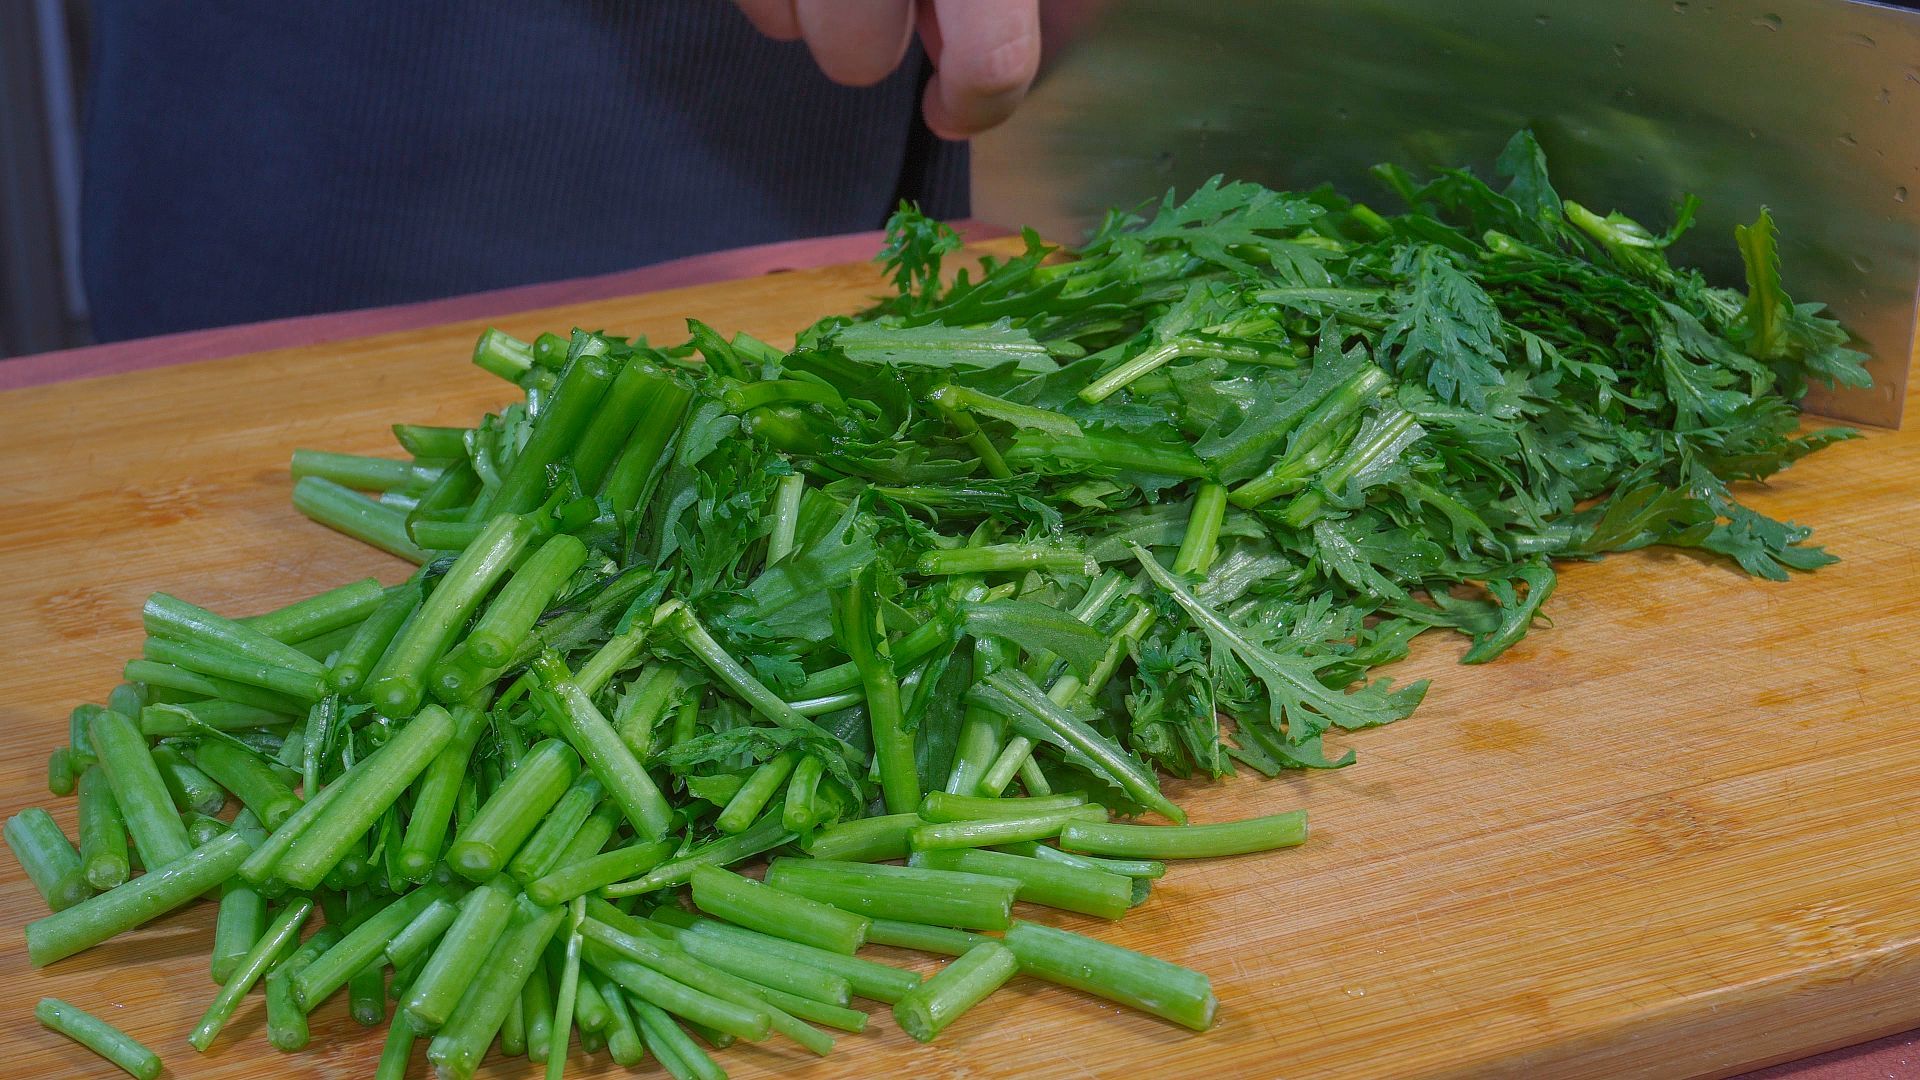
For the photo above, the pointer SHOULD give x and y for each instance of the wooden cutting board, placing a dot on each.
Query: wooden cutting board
(1675, 833)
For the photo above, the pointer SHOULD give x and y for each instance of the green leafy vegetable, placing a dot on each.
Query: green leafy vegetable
(1069, 521)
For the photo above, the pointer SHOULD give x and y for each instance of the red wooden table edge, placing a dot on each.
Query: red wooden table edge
(1891, 1056)
(93, 361)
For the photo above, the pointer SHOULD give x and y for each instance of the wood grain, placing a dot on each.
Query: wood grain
(1676, 833)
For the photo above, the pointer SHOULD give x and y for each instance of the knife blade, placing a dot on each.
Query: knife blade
(1810, 107)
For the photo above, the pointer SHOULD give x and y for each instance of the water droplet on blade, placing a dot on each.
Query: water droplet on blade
(1769, 22)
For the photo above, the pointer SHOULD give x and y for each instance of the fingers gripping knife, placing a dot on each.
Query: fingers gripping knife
(1810, 107)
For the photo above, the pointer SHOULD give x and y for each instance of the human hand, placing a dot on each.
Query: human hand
(984, 52)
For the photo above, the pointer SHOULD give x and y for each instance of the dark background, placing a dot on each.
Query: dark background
(170, 165)
(43, 50)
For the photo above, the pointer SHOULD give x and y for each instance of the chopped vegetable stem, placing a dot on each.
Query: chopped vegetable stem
(192, 791)
(1188, 841)
(944, 940)
(565, 999)
(242, 916)
(158, 834)
(1151, 985)
(336, 609)
(250, 779)
(675, 964)
(140, 900)
(922, 895)
(462, 951)
(633, 472)
(609, 758)
(763, 835)
(287, 1027)
(986, 832)
(534, 584)
(867, 978)
(463, 1039)
(372, 786)
(103, 831)
(399, 681)
(413, 940)
(749, 1022)
(678, 1053)
(870, 839)
(511, 814)
(48, 857)
(98, 1036)
(769, 910)
(557, 829)
(364, 944)
(344, 510)
(578, 878)
(282, 935)
(434, 798)
(371, 638)
(745, 806)
(1057, 885)
(926, 1010)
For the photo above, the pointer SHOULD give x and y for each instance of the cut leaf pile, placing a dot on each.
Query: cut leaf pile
(955, 581)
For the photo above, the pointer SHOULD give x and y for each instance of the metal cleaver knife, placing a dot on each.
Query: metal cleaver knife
(1811, 107)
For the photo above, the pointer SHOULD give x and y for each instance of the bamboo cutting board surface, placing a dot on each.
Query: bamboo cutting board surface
(1675, 833)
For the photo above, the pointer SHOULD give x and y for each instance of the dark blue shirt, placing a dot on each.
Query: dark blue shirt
(248, 161)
